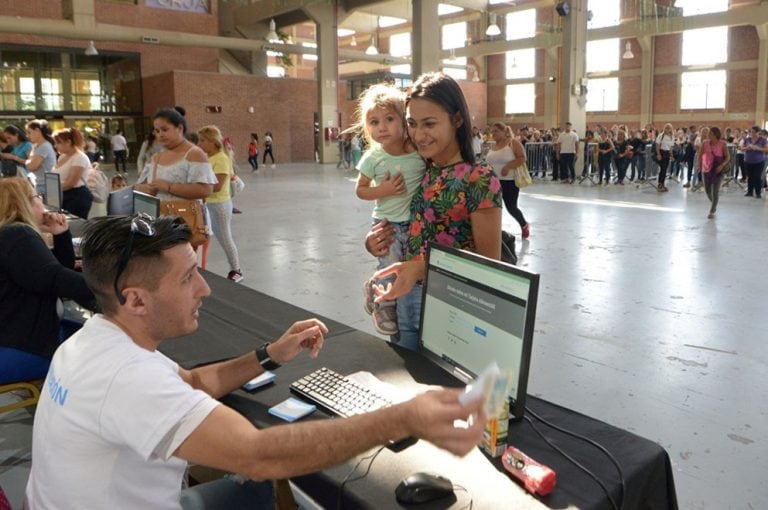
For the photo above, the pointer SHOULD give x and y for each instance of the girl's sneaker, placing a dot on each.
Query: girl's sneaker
(385, 317)
(368, 296)
(526, 231)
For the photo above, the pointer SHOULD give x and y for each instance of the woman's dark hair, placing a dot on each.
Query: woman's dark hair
(443, 90)
(18, 133)
(71, 135)
(716, 131)
(42, 126)
(103, 243)
(182, 111)
(255, 136)
(172, 116)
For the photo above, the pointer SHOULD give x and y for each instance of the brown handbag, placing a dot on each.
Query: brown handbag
(191, 211)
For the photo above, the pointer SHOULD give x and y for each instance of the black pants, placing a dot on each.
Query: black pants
(77, 201)
(739, 166)
(555, 167)
(663, 164)
(510, 192)
(120, 157)
(621, 168)
(268, 150)
(567, 168)
(754, 178)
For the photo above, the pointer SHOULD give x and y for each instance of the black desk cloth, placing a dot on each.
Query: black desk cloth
(236, 319)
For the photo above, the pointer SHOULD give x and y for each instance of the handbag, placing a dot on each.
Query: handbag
(239, 184)
(521, 176)
(190, 211)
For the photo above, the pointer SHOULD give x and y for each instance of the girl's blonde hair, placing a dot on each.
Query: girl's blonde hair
(381, 95)
(15, 203)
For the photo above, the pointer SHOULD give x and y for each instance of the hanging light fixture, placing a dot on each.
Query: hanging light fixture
(628, 51)
(272, 34)
(91, 50)
(354, 41)
(493, 29)
(372, 50)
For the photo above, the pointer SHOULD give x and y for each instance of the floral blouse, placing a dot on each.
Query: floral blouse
(441, 208)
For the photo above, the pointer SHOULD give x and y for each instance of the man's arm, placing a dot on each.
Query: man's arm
(219, 379)
(226, 440)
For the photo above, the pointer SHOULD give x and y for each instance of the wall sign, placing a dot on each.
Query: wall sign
(201, 6)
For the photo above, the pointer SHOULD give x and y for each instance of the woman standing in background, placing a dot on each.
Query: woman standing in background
(73, 167)
(268, 149)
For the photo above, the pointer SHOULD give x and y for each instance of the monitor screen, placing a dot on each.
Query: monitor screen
(475, 311)
(120, 202)
(53, 191)
(147, 204)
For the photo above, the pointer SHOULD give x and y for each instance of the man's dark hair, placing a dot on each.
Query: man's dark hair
(103, 243)
(444, 91)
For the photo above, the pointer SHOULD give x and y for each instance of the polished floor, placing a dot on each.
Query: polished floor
(650, 315)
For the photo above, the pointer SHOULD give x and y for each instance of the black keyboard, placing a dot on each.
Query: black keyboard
(338, 394)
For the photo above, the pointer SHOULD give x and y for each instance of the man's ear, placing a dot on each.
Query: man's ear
(135, 300)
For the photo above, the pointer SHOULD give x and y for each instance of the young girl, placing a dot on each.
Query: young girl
(390, 172)
(458, 203)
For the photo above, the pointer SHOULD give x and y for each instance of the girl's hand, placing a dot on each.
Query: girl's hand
(54, 223)
(406, 276)
(390, 186)
(379, 238)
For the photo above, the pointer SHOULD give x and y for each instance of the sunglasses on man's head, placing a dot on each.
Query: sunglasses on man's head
(143, 225)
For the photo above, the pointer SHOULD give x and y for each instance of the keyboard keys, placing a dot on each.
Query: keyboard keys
(337, 393)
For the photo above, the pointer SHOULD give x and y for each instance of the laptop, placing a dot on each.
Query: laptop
(53, 194)
(120, 202)
(475, 311)
(147, 204)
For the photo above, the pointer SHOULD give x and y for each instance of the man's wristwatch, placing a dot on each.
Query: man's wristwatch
(264, 359)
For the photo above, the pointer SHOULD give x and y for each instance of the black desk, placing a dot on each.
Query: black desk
(232, 320)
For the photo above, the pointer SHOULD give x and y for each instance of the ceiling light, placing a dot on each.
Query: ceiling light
(493, 29)
(628, 51)
(272, 34)
(91, 50)
(372, 50)
(354, 41)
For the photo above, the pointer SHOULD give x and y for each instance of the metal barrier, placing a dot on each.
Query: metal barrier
(539, 156)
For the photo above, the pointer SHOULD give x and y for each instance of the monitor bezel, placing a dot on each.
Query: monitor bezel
(517, 403)
(140, 195)
(57, 177)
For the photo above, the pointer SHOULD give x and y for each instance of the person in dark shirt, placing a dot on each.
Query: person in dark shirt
(32, 280)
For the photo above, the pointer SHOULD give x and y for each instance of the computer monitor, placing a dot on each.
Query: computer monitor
(120, 202)
(474, 311)
(53, 196)
(143, 203)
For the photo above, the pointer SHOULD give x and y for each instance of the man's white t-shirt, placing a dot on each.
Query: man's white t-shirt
(109, 418)
(119, 143)
(568, 141)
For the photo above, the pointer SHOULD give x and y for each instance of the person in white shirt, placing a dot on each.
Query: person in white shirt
(117, 421)
(567, 146)
(119, 150)
(664, 143)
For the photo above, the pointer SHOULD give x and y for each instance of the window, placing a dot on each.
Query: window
(445, 9)
(455, 36)
(276, 71)
(86, 91)
(521, 64)
(400, 46)
(705, 46)
(693, 7)
(603, 95)
(520, 98)
(605, 13)
(603, 55)
(703, 90)
(521, 24)
(308, 56)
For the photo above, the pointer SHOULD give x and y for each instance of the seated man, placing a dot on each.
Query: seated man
(117, 421)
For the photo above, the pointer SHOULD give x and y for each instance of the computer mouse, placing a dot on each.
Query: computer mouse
(423, 487)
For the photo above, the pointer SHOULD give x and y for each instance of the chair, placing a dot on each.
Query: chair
(29, 401)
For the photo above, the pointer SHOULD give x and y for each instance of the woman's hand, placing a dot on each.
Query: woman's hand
(379, 238)
(406, 276)
(149, 189)
(162, 185)
(54, 223)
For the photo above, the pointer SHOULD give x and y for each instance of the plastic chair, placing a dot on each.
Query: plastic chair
(30, 401)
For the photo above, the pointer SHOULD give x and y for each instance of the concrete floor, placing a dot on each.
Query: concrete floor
(649, 314)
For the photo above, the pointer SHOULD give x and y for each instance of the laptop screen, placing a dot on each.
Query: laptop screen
(475, 311)
(120, 202)
(143, 203)
(53, 191)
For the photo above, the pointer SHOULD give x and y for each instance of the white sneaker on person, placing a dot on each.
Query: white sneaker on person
(235, 276)
(385, 317)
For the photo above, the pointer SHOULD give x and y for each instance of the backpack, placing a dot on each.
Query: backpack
(98, 184)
